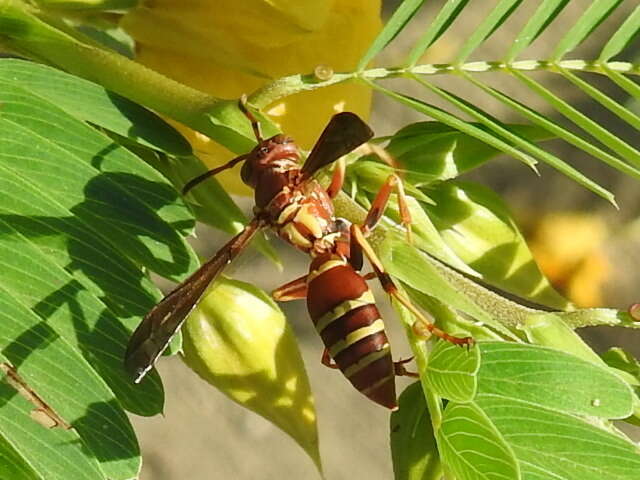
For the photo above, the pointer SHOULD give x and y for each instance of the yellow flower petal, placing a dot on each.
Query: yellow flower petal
(232, 48)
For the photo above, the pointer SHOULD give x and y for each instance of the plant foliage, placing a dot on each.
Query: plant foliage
(90, 208)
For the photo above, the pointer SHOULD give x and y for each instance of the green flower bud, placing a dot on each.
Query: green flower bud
(238, 340)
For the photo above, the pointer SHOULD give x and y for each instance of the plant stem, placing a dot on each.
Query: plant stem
(503, 310)
(87, 4)
(23, 29)
(299, 83)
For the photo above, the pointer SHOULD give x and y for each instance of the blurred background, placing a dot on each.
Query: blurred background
(588, 249)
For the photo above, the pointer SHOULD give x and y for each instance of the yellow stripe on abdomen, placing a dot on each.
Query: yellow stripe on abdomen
(353, 337)
(365, 299)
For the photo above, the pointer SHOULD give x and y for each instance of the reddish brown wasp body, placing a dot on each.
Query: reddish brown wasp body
(293, 204)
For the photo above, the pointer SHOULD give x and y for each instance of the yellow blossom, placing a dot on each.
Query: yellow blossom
(229, 48)
(568, 249)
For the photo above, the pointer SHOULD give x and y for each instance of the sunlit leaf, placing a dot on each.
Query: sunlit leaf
(543, 16)
(446, 16)
(595, 14)
(413, 446)
(436, 149)
(552, 379)
(472, 447)
(556, 445)
(477, 225)
(401, 16)
(490, 23)
(95, 105)
(451, 371)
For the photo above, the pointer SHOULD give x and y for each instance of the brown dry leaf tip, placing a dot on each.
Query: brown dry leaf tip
(44, 418)
(421, 330)
(323, 72)
(43, 413)
(634, 311)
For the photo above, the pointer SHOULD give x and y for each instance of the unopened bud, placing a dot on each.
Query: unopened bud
(238, 340)
(634, 311)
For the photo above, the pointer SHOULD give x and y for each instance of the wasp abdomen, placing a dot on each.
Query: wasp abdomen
(345, 315)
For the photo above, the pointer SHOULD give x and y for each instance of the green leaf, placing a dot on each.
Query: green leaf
(550, 444)
(12, 465)
(551, 379)
(408, 264)
(55, 369)
(451, 371)
(472, 447)
(620, 359)
(458, 124)
(63, 257)
(600, 133)
(105, 186)
(79, 219)
(543, 16)
(392, 27)
(476, 223)
(413, 445)
(111, 36)
(622, 36)
(549, 330)
(446, 16)
(522, 144)
(427, 238)
(437, 150)
(95, 105)
(211, 203)
(595, 14)
(497, 128)
(29, 451)
(556, 129)
(489, 24)
(616, 108)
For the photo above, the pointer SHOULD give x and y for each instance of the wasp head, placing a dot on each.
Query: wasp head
(265, 154)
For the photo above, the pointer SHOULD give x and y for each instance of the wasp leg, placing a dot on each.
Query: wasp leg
(400, 369)
(373, 149)
(337, 180)
(391, 289)
(380, 204)
(326, 359)
(294, 290)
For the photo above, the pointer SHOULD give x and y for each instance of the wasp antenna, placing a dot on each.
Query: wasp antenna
(195, 181)
(255, 124)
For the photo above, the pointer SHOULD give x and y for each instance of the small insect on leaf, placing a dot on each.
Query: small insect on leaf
(43, 413)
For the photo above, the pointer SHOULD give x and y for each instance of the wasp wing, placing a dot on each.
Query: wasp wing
(344, 132)
(153, 334)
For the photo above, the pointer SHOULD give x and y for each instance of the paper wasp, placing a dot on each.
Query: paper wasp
(291, 202)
